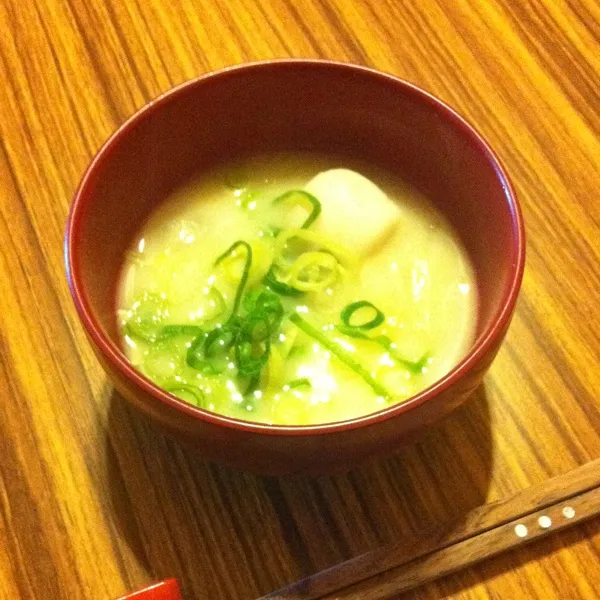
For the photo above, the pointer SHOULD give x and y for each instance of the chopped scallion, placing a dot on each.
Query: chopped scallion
(245, 272)
(189, 393)
(362, 305)
(356, 330)
(271, 281)
(302, 197)
(343, 356)
(302, 382)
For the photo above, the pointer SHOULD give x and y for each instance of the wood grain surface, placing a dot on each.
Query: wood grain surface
(93, 502)
(488, 530)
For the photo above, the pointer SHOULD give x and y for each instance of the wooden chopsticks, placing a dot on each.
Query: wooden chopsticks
(482, 533)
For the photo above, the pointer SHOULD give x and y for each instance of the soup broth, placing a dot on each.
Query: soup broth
(296, 290)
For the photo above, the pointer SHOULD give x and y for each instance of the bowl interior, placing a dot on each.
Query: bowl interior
(292, 106)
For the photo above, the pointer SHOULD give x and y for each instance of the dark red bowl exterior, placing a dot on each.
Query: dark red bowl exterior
(294, 105)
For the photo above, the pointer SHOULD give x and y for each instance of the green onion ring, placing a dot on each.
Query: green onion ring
(316, 210)
(344, 357)
(279, 287)
(245, 272)
(349, 310)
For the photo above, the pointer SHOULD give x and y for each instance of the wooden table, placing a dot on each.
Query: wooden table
(93, 502)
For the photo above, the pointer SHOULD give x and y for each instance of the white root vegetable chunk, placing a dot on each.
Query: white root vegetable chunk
(355, 212)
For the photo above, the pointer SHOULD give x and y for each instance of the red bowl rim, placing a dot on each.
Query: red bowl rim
(482, 345)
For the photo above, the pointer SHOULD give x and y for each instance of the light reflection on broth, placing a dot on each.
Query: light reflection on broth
(291, 290)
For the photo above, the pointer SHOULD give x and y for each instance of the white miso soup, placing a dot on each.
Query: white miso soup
(296, 290)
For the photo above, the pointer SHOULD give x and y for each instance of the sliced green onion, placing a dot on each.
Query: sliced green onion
(271, 281)
(265, 312)
(257, 328)
(313, 271)
(314, 240)
(248, 363)
(159, 363)
(348, 312)
(221, 339)
(204, 357)
(245, 272)
(324, 259)
(189, 393)
(354, 332)
(173, 331)
(302, 382)
(262, 300)
(146, 317)
(415, 367)
(273, 230)
(260, 325)
(344, 357)
(214, 304)
(297, 351)
(252, 386)
(195, 355)
(302, 197)
(248, 336)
